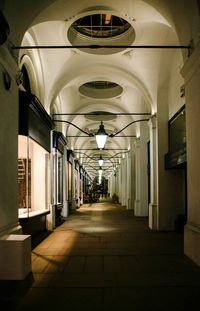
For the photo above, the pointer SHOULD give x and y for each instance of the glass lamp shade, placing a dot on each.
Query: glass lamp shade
(100, 171)
(101, 141)
(101, 136)
(100, 161)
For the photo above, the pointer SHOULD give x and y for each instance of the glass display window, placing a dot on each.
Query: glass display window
(177, 131)
(33, 178)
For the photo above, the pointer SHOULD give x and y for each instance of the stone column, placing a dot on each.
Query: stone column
(153, 206)
(128, 174)
(123, 183)
(81, 189)
(111, 184)
(141, 200)
(65, 210)
(78, 187)
(73, 187)
(51, 218)
(132, 172)
(118, 184)
(137, 180)
(191, 73)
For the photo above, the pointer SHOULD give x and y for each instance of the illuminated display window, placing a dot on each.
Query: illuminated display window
(33, 178)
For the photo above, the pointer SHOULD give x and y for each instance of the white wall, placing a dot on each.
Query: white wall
(176, 81)
(170, 182)
(191, 72)
(8, 146)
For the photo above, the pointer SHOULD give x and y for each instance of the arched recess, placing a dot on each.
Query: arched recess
(32, 60)
(28, 69)
(180, 16)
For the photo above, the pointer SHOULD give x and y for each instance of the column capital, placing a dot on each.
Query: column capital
(191, 64)
(153, 121)
(137, 142)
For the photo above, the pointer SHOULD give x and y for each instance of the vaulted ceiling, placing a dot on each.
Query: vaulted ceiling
(116, 82)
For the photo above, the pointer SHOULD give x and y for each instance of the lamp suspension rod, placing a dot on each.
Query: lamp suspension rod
(84, 136)
(84, 154)
(142, 120)
(118, 154)
(88, 134)
(97, 46)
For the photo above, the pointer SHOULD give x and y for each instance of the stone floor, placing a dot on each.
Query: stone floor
(104, 258)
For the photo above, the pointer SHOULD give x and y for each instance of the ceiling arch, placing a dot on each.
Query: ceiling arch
(103, 71)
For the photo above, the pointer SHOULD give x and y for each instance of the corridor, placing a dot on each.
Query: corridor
(104, 258)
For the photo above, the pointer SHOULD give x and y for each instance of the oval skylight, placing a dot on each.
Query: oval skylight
(101, 116)
(101, 89)
(101, 25)
(101, 29)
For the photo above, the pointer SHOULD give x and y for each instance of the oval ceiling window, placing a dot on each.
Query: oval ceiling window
(101, 116)
(101, 29)
(101, 25)
(101, 89)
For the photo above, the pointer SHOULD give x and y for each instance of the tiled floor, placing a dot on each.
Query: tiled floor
(104, 258)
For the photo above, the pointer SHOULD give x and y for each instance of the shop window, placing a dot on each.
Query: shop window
(177, 132)
(33, 177)
(177, 155)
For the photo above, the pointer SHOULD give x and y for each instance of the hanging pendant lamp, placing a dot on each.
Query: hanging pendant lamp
(100, 161)
(101, 136)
